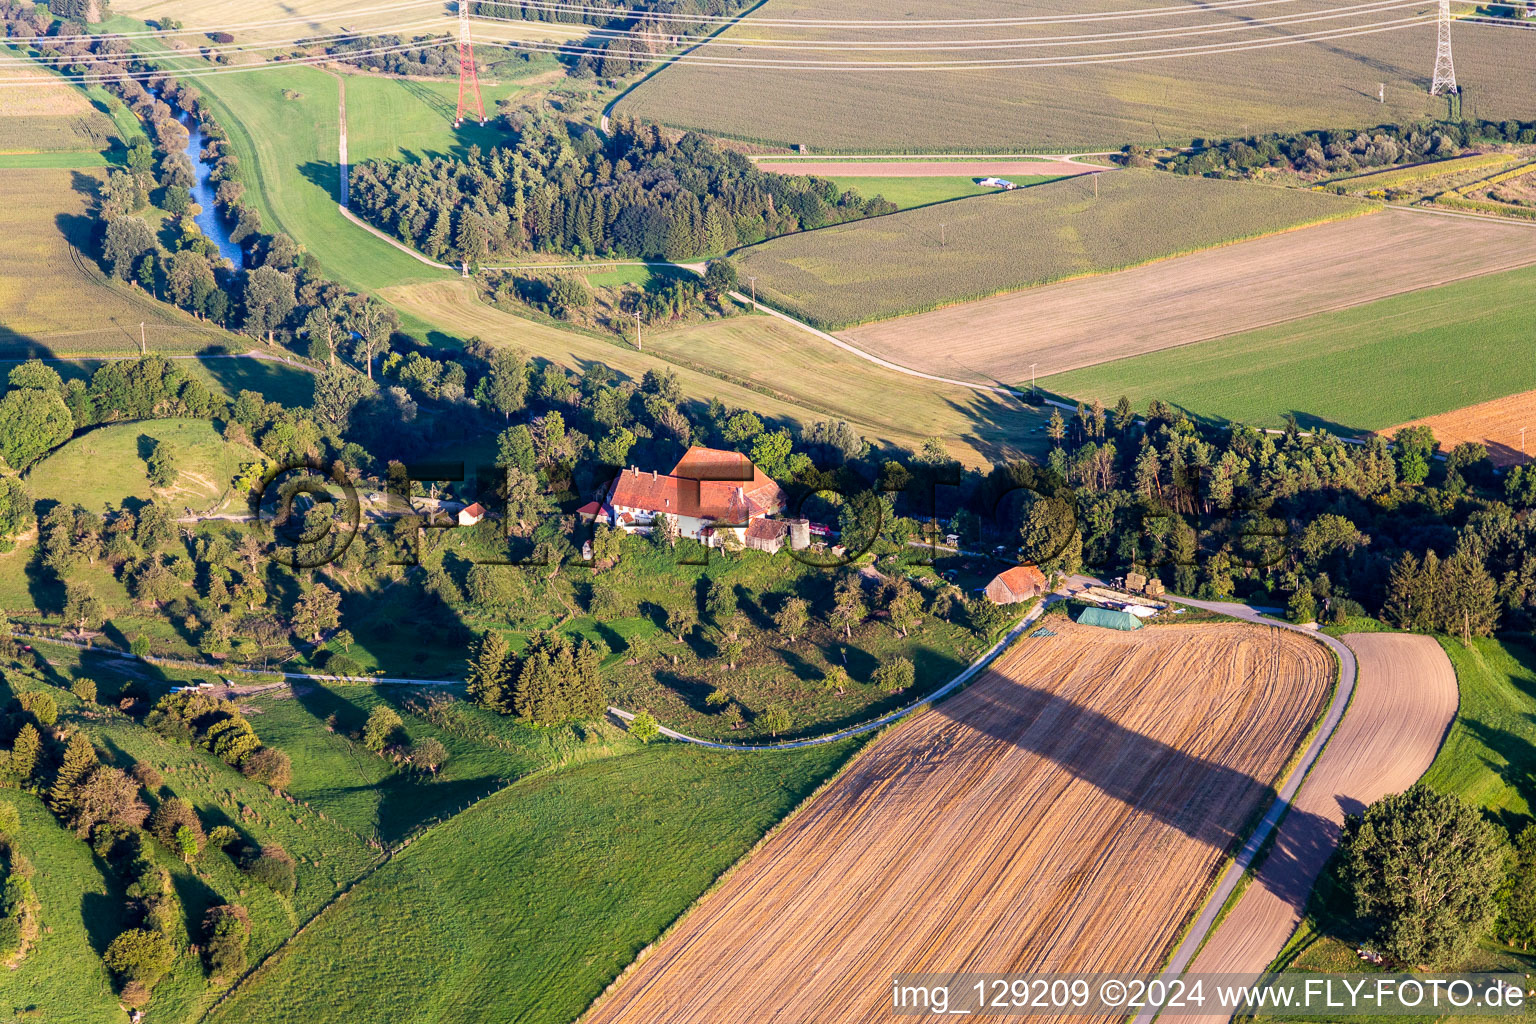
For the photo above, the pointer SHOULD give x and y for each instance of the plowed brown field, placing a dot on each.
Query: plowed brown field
(1404, 701)
(1210, 294)
(1496, 424)
(1065, 812)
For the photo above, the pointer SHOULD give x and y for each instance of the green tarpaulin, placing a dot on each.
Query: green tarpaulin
(1109, 618)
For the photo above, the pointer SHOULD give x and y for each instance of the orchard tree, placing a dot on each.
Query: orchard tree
(776, 719)
(429, 754)
(16, 515)
(504, 388)
(380, 731)
(791, 618)
(895, 675)
(316, 612)
(848, 604)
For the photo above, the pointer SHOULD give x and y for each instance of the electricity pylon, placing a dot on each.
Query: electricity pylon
(467, 76)
(1445, 70)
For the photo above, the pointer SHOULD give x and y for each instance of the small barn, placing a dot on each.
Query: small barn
(471, 515)
(1109, 618)
(1020, 583)
(766, 535)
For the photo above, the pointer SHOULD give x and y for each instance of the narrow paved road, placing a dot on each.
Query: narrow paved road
(1206, 920)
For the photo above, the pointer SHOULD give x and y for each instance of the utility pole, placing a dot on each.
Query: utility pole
(1445, 70)
(753, 282)
(1032, 387)
(469, 81)
(143, 344)
(638, 343)
(942, 241)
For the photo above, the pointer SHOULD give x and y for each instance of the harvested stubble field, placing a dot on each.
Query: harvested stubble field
(1066, 811)
(54, 300)
(1404, 702)
(1211, 294)
(923, 259)
(1496, 424)
(1287, 85)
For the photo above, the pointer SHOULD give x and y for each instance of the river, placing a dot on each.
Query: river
(208, 219)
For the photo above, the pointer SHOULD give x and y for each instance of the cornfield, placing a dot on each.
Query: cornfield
(955, 252)
(1419, 172)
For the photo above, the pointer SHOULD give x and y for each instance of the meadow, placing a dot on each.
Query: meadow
(1423, 352)
(106, 467)
(527, 905)
(1284, 85)
(782, 374)
(54, 299)
(921, 191)
(940, 255)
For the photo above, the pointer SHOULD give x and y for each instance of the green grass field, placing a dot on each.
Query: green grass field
(940, 255)
(1166, 98)
(284, 127)
(1422, 353)
(1489, 757)
(105, 467)
(924, 191)
(526, 906)
(80, 911)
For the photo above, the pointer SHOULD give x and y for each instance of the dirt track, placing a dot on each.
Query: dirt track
(1066, 811)
(1192, 298)
(1404, 702)
(1495, 424)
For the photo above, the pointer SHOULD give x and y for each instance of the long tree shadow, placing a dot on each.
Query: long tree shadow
(1147, 775)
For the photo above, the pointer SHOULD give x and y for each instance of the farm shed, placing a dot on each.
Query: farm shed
(1109, 619)
(471, 515)
(767, 535)
(1020, 583)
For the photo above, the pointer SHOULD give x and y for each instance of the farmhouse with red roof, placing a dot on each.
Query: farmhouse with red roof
(708, 492)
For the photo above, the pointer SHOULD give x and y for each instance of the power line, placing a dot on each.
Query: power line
(203, 51)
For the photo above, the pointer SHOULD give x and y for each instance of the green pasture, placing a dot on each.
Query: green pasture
(907, 192)
(527, 905)
(105, 467)
(1363, 368)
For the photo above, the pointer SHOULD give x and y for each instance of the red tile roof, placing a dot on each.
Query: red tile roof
(767, 529)
(476, 509)
(1022, 579)
(705, 484)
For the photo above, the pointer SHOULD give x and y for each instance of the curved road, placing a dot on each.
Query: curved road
(1348, 670)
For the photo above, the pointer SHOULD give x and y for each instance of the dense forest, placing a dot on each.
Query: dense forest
(560, 189)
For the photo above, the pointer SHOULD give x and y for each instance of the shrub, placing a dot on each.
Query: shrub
(268, 766)
(85, 689)
(643, 727)
(10, 937)
(10, 820)
(226, 932)
(40, 706)
(147, 775)
(139, 955)
(222, 837)
(342, 665)
(274, 868)
(169, 818)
